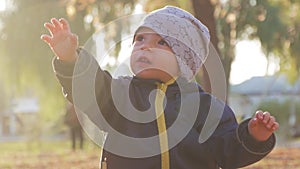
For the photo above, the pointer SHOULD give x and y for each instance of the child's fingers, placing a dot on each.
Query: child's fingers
(253, 122)
(56, 24)
(259, 114)
(266, 117)
(46, 38)
(275, 126)
(50, 27)
(74, 39)
(65, 24)
(271, 122)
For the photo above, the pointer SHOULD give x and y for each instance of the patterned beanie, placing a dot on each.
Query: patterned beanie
(186, 36)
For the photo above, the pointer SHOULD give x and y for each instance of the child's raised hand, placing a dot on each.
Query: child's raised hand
(262, 125)
(61, 40)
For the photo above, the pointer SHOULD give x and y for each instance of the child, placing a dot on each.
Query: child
(149, 128)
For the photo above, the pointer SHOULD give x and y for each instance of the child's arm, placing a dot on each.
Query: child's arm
(262, 125)
(61, 40)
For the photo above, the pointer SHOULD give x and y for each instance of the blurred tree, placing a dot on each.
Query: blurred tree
(204, 11)
(99, 16)
(26, 60)
(274, 23)
(290, 38)
(3, 99)
(155, 4)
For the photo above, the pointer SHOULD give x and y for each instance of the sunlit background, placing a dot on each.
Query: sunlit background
(258, 42)
(2, 5)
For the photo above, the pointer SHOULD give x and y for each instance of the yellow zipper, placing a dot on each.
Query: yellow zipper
(161, 123)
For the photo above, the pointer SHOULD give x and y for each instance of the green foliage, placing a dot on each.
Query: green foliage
(275, 23)
(25, 60)
(278, 110)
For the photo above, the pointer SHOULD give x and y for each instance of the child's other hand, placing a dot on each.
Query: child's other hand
(262, 125)
(61, 40)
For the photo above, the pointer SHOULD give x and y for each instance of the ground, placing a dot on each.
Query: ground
(280, 158)
(57, 155)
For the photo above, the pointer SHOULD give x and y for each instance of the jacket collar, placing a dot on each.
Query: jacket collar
(185, 85)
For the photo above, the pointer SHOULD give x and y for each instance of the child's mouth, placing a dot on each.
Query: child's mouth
(143, 60)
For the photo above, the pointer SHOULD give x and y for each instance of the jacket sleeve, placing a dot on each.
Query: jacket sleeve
(86, 85)
(238, 146)
(235, 146)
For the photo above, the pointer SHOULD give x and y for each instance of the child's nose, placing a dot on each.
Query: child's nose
(147, 44)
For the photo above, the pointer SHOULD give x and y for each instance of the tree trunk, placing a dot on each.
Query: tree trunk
(204, 11)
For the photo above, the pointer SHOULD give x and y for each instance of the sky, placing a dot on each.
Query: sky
(250, 61)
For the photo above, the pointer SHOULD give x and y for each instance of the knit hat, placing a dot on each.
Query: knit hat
(186, 36)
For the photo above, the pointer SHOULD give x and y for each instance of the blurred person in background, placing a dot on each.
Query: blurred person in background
(76, 132)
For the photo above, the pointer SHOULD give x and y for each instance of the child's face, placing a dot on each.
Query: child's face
(152, 58)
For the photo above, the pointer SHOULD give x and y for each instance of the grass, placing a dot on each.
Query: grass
(58, 155)
(48, 155)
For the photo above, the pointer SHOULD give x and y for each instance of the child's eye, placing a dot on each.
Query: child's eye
(139, 38)
(163, 42)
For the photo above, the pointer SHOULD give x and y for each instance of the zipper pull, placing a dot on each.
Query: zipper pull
(104, 164)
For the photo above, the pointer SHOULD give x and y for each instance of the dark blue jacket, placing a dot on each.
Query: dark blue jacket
(202, 131)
